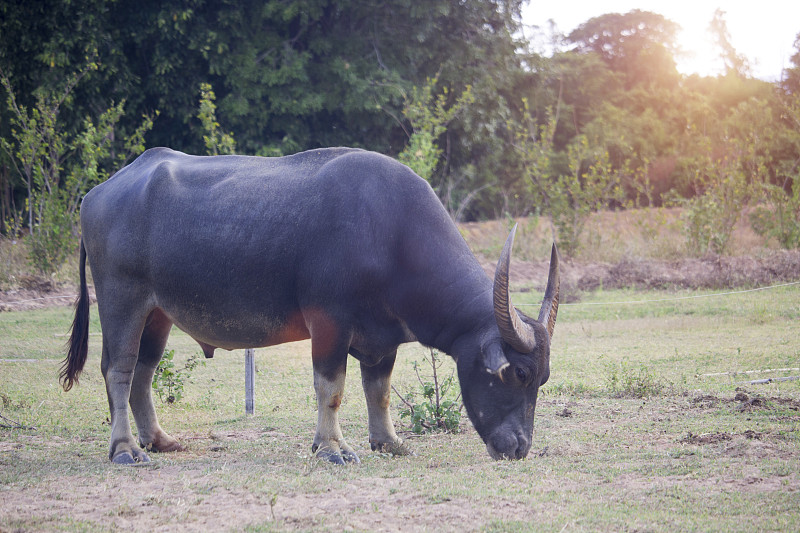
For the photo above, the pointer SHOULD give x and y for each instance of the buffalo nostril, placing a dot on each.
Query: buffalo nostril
(509, 445)
(504, 445)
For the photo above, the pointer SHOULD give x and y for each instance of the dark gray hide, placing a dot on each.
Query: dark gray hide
(348, 248)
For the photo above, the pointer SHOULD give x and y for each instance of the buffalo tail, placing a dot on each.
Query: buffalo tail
(78, 345)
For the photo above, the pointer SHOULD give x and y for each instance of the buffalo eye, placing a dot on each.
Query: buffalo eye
(522, 375)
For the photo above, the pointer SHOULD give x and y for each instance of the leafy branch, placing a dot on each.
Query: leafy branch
(439, 409)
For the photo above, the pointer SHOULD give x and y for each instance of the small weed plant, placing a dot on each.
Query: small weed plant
(169, 378)
(436, 406)
(626, 382)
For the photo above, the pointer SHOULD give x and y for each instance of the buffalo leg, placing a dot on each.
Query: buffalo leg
(151, 348)
(329, 442)
(122, 333)
(376, 380)
(329, 354)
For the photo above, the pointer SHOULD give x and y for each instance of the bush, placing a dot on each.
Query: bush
(51, 241)
(722, 193)
(59, 167)
(439, 408)
(168, 379)
(780, 218)
(587, 182)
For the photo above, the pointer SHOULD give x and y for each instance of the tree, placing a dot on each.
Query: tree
(638, 44)
(428, 115)
(734, 62)
(791, 81)
(291, 75)
(287, 75)
(778, 213)
(217, 143)
(59, 167)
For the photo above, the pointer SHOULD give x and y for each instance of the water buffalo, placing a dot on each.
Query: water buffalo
(346, 247)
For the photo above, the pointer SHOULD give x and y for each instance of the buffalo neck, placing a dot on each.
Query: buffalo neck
(458, 305)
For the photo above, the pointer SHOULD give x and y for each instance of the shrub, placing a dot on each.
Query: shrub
(59, 167)
(780, 217)
(168, 379)
(722, 193)
(439, 408)
(217, 142)
(51, 241)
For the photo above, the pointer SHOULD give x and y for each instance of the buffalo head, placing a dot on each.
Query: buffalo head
(500, 385)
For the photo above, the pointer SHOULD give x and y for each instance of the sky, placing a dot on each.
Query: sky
(762, 30)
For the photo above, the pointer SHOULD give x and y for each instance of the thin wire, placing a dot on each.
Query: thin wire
(522, 305)
(677, 297)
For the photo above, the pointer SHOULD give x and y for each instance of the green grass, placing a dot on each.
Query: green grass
(631, 434)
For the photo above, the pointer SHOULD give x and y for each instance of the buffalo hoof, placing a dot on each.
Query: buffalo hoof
(336, 457)
(165, 446)
(350, 457)
(397, 449)
(126, 458)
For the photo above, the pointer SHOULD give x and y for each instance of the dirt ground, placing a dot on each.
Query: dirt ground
(193, 495)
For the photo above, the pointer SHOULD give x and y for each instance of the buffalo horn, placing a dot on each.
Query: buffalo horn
(549, 310)
(514, 331)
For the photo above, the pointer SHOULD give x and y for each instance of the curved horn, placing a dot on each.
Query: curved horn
(514, 331)
(549, 310)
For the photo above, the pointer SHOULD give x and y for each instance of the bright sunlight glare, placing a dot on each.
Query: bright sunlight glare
(763, 32)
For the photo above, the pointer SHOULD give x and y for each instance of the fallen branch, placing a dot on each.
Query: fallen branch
(13, 424)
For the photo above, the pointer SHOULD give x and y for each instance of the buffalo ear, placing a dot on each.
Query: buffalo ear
(549, 310)
(494, 359)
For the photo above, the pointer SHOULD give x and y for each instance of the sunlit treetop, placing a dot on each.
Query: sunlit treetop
(640, 44)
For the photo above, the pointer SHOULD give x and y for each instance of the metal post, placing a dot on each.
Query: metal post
(249, 380)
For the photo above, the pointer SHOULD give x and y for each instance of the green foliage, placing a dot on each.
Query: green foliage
(168, 379)
(288, 76)
(40, 149)
(778, 213)
(710, 215)
(780, 217)
(437, 405)
(623, 381)
(295, 75)
(429, 114)
(590, 181)
(217, 143)
(591, 184)
(535, 143)
(58, 168)
(52, 240)
(791, 82)
(638, 44)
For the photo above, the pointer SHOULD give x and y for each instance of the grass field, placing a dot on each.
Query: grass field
(647, 424)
